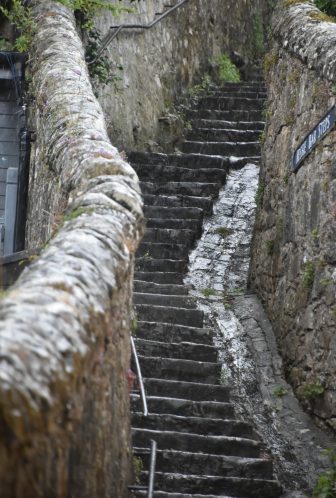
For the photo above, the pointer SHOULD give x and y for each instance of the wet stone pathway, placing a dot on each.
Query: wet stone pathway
(251, 365)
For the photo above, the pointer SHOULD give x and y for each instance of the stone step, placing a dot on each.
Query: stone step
(180, 369)
(222, 148)
(222, 135)
(183, 160)
(232, 115)
(230, 103)
(163, 173)
(163, 494)
(208, 464)
(242, 93)
(204, 203)
(158, 288)
(169, 235)
(180, 350)
(176, 224)
(242, 86)
(167, 332)
(145, 264)
(183, 407)
(175, 301)
(216, 485)
(166, 314)
(194, 425)
(176, 213)
(187, 390)
(222, 124)
(163, 250)
(195, 189)
(159, 277)
(183, 441)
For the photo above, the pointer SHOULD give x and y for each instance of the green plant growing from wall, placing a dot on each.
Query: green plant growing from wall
(311, 391)
(259, 197)
(326, 483)
(269, 244)
(223, 231)
(227, 71)
(20, 15)
(22, 18)
(309, 275)
(279, 391)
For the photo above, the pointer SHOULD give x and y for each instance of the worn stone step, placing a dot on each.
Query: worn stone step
(222, 135)
(176, 224)
(195, 189)
(167, 332)
(183, 441)
(159, 288)
(230, 103)
(208, 464)
(182, 160)
(183, 407)
(223, 148)
(159, 277)
(232, 115)
(146, 264)
(180, 350)
(222, 124)
(194, 425)
(181, 369)
(169, 235)
(166, 314)
(164, 494)
(187, 390)
(177, 301)
(163, 173)
(216, 485)
(254, 93)
(204, 203)
(175, 213)
(163, 250)
(242, 85)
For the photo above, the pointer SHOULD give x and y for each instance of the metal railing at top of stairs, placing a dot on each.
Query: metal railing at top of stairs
(115, 30)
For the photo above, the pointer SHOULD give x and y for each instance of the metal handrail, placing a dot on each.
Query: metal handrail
(152, 466)
(140, 379)
(112, 35)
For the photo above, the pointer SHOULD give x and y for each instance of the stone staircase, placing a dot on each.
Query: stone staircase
(203, 450)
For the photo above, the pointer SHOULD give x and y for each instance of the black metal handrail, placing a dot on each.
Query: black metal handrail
(113, 34)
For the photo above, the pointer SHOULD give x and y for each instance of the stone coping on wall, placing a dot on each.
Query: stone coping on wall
(49, 318)
(311, 40)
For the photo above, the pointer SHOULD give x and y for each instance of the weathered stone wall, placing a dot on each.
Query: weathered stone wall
(161, 63)
(64, 326)
(294, 247)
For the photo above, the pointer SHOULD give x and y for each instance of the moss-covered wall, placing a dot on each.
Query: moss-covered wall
(294, 247)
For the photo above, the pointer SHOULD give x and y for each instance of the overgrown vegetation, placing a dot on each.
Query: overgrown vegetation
(227, 71)
(327, 6)
(326, 483)
(321, 16)
(196, 90)
(20, 15)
